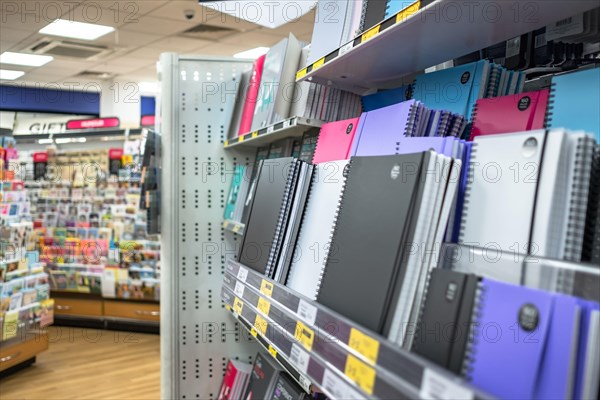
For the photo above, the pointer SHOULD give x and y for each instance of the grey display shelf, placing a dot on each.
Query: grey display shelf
(292, 127)
(234, 226)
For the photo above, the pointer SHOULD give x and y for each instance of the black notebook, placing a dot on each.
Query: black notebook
(265, 199)
(442, 330)
(286, 389)
(372, 227)
(265, 372)
(373, 13)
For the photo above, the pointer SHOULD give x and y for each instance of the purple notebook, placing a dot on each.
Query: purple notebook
(441, 145)
(557, 375)
(509, 338)
(587, 308)
(380, 130)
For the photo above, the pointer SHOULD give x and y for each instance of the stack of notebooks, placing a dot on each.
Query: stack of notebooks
(235, 380)
(591, 245)
(234, 208)
(269, 382)
(538, 184)
(391, 213)
(276, 208)
(480, 327)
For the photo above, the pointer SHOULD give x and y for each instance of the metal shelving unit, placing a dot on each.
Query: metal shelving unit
(333, 353)
(414, 39)
(291, 127)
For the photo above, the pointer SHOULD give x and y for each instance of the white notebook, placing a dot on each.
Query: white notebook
(313, 240)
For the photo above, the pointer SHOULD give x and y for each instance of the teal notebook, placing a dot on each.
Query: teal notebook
(575, 101)
(238, 175)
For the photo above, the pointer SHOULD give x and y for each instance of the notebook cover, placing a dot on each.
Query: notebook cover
(286, 389)
(575, 101)
(261, 154)
(308, 144)
(441, 145)
(588, 348)
(239, 105)
(266, 203)
(281, 148)
(335, 141)
(557, 375)
(225, 393)
(380, 130)
(386, 98)
(328, 31)
(317, 224)
(373, 13)
(506, 114)
(265, 372)
(251, 96)
(386, 185)
(463, 323)
(504, 312)
(233, 192)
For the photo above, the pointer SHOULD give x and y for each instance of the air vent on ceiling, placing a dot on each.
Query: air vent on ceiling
(204, 31)
(65, 48)
(95, 75)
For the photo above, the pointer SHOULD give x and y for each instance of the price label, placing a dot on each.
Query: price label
(254, 134)
(271, 129)
(299, 358)
(346, 48)
(338, 388)
(408, 11)
(226, 143)
(364, 344)
(304, 335)
(253, 332)
(236, 228)
(436, 386)
(307, 312)
(241, 139)
(305, 383)
(242, 274)
(266, 288)
(239, 289)
(318, 64)
(287, 123)
(301, 74)
(260, 324)
(227, 307)
(273, 351)
(368, 35)
(263, 306)
(359, 372)
(238, 305)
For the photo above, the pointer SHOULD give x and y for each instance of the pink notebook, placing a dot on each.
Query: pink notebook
(335, 140)
(505, 114)
(251, 96)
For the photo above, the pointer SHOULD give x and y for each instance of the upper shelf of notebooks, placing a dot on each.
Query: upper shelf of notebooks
(291, 127)
(415, 39)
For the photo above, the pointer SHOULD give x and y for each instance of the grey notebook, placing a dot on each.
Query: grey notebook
(374, 218)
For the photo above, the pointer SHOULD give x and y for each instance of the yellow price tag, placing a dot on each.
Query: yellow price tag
(236, 229)
(264, 306)
(362, 374)
(238, 305)
(273, 351)
(260, 324)
(226, 143)
(304, 335)
(225, 224)
(364, 344)
(301, 74)
(266, 288)
(368, 35)
(228, 307)
(408, 11)
(241, 139)
(253, 332)
(254, 134)
(318, 64)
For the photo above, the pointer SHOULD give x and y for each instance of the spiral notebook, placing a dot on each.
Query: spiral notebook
(315, 231)
(335, 141)
(506, 114)
(251, 93)
(591, 250)
(575, 101)
(386, 98)
(366, 246)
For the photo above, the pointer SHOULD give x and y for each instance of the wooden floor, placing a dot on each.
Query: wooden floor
(90, 364)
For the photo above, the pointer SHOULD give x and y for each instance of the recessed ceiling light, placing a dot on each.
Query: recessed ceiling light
(30, 60)
(252, 53)
(9, 74)
(76, 30)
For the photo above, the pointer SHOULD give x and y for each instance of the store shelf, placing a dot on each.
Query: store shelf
(292, 127)
(341, 358)
(410, 42)
(234, 226)
(14, 353)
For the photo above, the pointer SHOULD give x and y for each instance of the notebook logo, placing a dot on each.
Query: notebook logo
(530, 147)
(465, 77)
(451, 291)
(524, 103)
(349, 129)
(529, 317)
(395, 172)
(346, 170)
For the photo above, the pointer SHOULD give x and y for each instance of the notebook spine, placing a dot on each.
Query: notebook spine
(417, 336)
(550, 107)
(579, 196)
(592, 236)
(363, 16)
(334, 226)
(474, 332)
(467, 194)
(493, 83)
(411, 121)
(474, 119)
(316, 149)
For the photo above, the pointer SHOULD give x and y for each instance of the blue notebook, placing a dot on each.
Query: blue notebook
(575, 101)
(386, 98)
(511, 327)
(453, 89)
(233, 192)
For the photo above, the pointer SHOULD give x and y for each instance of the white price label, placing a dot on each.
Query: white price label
(346, 48)
(270, 129)
(287, 123)
(305, 383)
(239, 289)
(299, 357)
(242, 274)
(307, 312)
(338, 388)
(438, 387)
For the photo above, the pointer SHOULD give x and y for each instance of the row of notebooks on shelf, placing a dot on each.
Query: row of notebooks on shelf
(263, 380)
(545, 344)
(268, 93)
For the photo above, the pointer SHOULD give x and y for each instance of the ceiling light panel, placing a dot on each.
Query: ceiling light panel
(29, 60)
(9, 74)
(76, 30)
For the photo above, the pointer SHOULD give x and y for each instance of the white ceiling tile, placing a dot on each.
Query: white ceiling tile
(222, 49)
(178, 44)
(5, 46)
(252, 39)
(92, 13)
(13, 35)
(176, 10)
(157, 26)
(116, 67)
(128, 9)
(127, 39)
(145, 53)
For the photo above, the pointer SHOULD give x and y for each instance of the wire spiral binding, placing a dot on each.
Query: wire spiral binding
(493, 82)
(283, 212)
(417, 339)
(411, 121)
(473, 119)
(363, 16)
(473, 337)
(467, 195)
(550, 106)
(334, 227)
(592, 234)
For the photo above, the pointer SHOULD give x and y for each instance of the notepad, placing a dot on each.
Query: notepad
(335, 140)
(251, 96)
